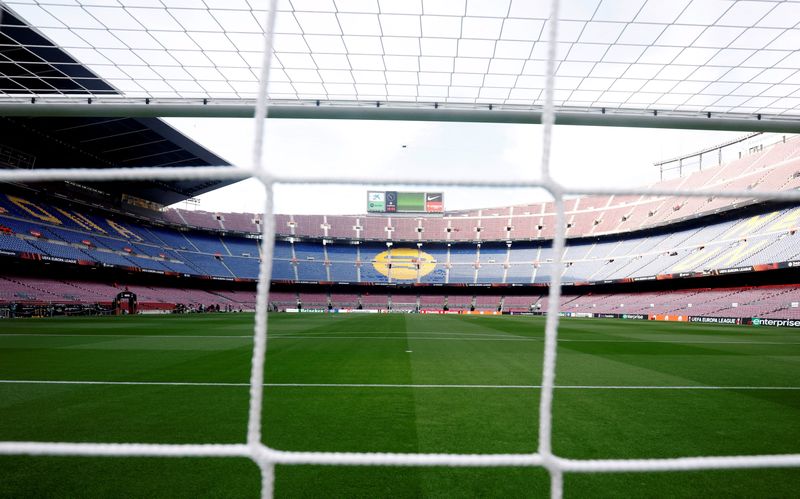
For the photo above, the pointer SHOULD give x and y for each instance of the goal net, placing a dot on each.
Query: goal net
(162, 96)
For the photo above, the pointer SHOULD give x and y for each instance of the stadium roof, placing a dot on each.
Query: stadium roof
(618, 61)
(31, 65)
(106, 143)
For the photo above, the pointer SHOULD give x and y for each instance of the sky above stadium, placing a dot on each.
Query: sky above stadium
(581, 156)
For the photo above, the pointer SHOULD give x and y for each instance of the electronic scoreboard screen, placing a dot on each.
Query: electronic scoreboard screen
(404, 202)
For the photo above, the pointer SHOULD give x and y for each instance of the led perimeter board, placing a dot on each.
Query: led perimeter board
(404, 202)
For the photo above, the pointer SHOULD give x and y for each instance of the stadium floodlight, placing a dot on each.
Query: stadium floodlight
(585, 50)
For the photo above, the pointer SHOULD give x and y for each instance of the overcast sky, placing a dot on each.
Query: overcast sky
(582, 156)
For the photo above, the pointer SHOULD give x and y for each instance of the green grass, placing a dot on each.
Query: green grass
(396, 350)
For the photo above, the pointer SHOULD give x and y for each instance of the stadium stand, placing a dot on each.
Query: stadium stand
(431, 301)
(344, 300)
(459, 302)
(487, 302)
(766, 169)
(41, 290)
(770, 168)
(756, 239)
(374, 301)
(241, 222)
(610, 239)
(283, 300)
(315, 300)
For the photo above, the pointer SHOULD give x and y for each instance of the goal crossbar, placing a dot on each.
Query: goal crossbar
(389, 111)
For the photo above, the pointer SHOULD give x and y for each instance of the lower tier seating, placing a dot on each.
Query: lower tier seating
(781, 301)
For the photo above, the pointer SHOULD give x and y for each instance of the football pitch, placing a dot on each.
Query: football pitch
(395, 383)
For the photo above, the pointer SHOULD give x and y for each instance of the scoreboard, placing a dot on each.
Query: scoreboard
(404, 202)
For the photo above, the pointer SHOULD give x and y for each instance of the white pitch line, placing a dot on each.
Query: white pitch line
(391, 385)
(272, 337)
(539, 340)
(133, 383)
(689, 342)
(528, 387)
(467, 337)
(278, 335)
(368, 333)
(404, 338)
(59, 335)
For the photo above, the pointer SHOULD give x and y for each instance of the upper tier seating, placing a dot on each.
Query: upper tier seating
(772, 168)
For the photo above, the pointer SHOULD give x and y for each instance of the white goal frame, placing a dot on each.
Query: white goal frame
(265, 457)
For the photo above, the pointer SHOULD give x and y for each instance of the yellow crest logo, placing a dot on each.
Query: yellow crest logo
(404, 263)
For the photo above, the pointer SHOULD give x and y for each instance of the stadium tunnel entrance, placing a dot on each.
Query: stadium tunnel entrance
(125, 303)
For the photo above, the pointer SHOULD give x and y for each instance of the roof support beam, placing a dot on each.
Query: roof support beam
(615, 118)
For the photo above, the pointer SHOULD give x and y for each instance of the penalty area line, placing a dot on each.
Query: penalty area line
(390, 385)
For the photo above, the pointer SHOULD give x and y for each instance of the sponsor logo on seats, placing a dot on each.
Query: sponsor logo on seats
(404, 263)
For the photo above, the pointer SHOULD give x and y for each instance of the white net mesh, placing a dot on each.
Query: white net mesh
(265, 457)
(690, 57)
